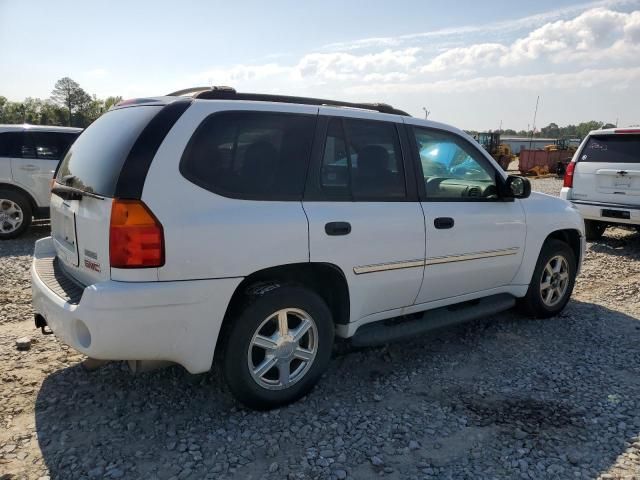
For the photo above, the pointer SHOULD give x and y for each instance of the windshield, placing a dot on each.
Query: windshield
(94, 161)
(612, 148)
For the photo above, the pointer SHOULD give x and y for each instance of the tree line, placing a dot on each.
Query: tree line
(69, 104)
(554, 131)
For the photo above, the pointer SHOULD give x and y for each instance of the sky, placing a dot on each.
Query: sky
(476, 65)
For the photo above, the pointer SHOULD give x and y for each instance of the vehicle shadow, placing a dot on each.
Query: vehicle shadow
(23, 245)
(623, 242)
(561, 390)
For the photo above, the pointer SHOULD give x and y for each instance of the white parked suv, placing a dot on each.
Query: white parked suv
(255, 228)
(29, 155)
(603, 180)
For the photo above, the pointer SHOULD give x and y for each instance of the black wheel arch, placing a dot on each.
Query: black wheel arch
(22, 191)
(326, 279)
(571, 237)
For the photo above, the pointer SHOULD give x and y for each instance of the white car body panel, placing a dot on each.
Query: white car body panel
(172, 321)
(267, 233)
(375, 240)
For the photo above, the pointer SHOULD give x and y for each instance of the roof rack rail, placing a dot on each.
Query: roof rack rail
(196, 90)
(228, 93)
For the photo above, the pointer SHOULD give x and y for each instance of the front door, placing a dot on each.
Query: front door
(364, 216)
(474, 239)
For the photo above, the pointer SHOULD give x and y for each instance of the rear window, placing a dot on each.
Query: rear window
(252, 155)
(612, 149)
(94, 161)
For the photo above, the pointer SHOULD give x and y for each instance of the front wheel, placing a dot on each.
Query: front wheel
(278, 347)
(552, 282)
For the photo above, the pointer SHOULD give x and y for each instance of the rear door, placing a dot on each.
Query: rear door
(608, 169)
(80, 227)
(36, 161)
(363, 212)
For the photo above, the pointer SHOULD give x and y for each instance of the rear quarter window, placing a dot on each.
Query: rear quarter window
(612, 149)
(95, 159)
(251, 155)
(9, 143)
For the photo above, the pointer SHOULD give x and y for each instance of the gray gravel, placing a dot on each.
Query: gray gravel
(504, 397)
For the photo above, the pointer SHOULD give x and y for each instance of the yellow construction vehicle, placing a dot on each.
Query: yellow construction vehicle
(501, 152)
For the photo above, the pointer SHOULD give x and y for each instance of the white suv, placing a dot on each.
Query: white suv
(29, 156)
(254, 228)
(603, 180)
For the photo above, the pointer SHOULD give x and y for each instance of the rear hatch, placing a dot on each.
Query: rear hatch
(84, 189)
(608, 169)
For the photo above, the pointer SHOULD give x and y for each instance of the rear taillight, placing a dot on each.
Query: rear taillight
(568, 174)
(136, 238)
(627, 130)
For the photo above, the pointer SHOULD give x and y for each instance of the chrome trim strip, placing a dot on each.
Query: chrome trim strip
(385, 267)
(472, 256)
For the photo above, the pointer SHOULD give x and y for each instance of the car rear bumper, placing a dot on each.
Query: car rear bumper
(171, 321)
(608, 212)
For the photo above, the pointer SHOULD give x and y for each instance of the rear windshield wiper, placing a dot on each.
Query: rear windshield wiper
(72, 193)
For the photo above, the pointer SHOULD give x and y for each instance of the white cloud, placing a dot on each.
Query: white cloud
(528, 22)
(239, 74)
(347, 66)
(592, 36)
(597, 47)
(482, 54)
(615, 78)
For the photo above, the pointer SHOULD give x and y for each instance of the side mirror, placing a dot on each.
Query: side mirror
(517, 187)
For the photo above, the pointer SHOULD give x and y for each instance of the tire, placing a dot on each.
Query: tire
(535, 302)
(261, 315)
(593, 229)
(15, 213)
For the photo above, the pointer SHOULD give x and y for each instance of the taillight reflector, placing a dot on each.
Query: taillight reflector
(136, 238)
(568, 174)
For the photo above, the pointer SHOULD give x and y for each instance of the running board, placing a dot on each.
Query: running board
(386, 331)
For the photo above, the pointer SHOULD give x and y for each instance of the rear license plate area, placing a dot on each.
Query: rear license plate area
(622, 214)
(63, 230)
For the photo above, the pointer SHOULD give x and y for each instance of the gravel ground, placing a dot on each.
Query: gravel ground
(503, 397)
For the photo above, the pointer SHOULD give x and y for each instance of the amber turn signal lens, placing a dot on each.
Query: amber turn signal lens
(136, 237)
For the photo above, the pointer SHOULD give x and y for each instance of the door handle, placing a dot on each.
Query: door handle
(29, 168)
(442, 223)
(337, 228)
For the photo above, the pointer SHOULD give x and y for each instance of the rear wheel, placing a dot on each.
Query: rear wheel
(552, 281)
(15, 214)
(278, 347)
(593, 229)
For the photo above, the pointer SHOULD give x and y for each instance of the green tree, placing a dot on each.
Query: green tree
(69, 94)
(111, 101)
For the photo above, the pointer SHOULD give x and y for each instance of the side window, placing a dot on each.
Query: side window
(253, 155)
(362, 160)
(453, 169)
(46, 145)
(9, 142)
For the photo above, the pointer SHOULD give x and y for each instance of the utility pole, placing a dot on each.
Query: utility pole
(533, 129)
(426, 113)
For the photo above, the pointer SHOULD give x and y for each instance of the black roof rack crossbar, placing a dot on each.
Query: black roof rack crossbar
(226, 93)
